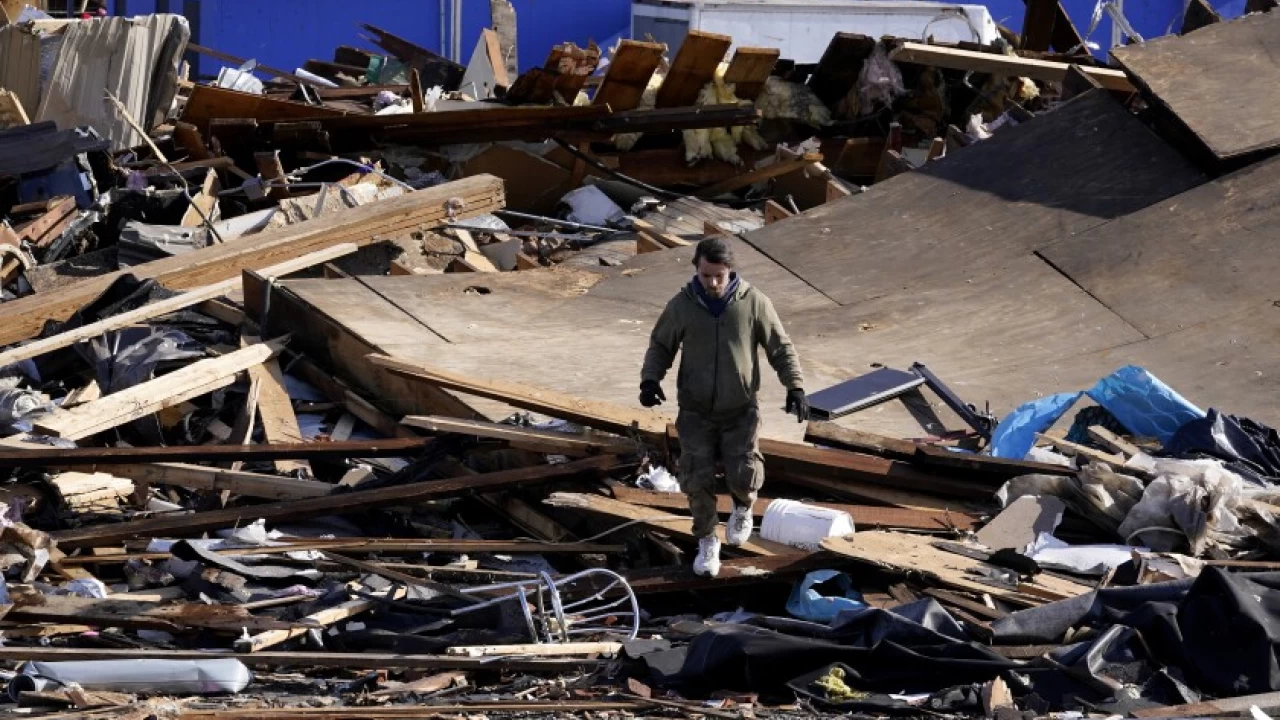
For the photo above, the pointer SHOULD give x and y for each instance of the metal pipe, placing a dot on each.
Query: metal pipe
(444, 10)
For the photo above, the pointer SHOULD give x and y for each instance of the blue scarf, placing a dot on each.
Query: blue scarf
(716, 305)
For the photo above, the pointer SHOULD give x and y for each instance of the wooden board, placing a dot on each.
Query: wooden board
(209, 103)
(915, 555)
(628, 74)
(841, 63)
(1046, 70)
(658, 520)
(279, 424)
(978, 208)
(237, 482)
(12, 114)
(353, 502)
(749, 69)
(694, 66)
(1220, 83)
(564, 74)
(25, 317)
(545, 441)
(1199, 256)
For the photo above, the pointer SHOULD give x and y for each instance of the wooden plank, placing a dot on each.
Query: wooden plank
(658, 520)
(1113, 442)
(12, 114)
(378, 546)
(397, 576)
(771, 170)
(1241, 705)
(666, 239)
(1037, 25)
(1219, 83)
(543, 441)
(275, 410)
(695, 65)
(208, 103)
(841, 63)
(68, 609)
(864, 516)
(914, 555)
(25, 317)
(41, 232)
(353, 502)
(415, 91)
(602, 649)
(1077, 82)
(1084, 451)
(749, 69)
(149, 397)
(773, 212)
(35, 455)
(628, 74)
(238, 482)
(320, 618)
(646, 243)
(1047, 70)
(204, 204)
(300, 658)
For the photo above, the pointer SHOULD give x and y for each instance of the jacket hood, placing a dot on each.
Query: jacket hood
(743, 288)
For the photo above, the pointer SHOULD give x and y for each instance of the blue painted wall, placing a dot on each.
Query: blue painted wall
(286, 33)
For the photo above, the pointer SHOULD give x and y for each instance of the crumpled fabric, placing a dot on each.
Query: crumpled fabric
(1192, 502)
(813, 597)
(879, 82)
(1249, 448)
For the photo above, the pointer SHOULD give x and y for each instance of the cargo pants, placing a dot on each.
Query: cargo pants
(732, 440)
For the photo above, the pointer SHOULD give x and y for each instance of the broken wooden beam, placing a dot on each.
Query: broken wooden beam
(236, 482)
(1046, 70)
(353, 502)
(39, 455)
(70, 609)
(320, 618)
(25, 317)
(543, 441)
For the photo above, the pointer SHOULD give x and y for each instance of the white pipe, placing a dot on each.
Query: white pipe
(457, 31)
(217, 675)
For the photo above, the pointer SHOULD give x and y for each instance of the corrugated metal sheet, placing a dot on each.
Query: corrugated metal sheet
(134, 58)
(20, 66)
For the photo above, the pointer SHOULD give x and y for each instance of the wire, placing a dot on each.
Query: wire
(595, 163)
(611, 531)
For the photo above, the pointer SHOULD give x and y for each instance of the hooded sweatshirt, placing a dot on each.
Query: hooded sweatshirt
(719, 364)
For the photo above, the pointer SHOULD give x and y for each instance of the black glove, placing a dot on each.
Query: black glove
(798, 404)
(651, 393)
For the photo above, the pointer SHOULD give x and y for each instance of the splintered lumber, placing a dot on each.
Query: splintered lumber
(1113, 442)
(544, 441)
(366, 545)
(118, 408)
(1045, 70)
(364, 225)
(48, 227)
(275, 409)
(864, 516)
(70, 609)
(85, 493)
(208, 103)
(1266, 702)
(776, 168)
(599, 415)
(319, 618)
(12, 114)
(915, 555)
(160, 308)
(36, 455)
(695, 65)
(204, 204)
(749, 69)
(628, 74)
(236, 482)
(564, 73)
(658, 520)
(664, 239)
(300, 658)
(353, 502)
(605, 649)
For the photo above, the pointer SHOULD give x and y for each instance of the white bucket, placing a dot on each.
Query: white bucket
(804, 526)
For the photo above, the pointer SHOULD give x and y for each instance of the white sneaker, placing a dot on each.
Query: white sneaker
(740, 526)
(708, 561)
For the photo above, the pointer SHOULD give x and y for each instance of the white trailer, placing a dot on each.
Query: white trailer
(801, 29)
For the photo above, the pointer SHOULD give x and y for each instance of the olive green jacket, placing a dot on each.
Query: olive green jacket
(719, 368)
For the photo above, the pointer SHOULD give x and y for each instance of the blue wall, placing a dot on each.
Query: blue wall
(287, 33)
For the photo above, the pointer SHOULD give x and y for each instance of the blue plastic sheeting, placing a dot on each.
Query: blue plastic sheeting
(1016, 434)
(808, 604)
(1139, 400)
(1143, 404)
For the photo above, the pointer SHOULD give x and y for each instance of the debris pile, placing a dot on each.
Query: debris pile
(318, 386)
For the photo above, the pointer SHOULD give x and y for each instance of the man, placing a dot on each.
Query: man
(718, 320)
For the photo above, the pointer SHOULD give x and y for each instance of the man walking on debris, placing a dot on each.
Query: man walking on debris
(719, 320)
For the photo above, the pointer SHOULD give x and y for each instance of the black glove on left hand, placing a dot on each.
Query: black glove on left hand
(798, 404)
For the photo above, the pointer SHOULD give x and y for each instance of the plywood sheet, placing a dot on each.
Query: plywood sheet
(1093, 162)
(1222, 82)
(1201, 255)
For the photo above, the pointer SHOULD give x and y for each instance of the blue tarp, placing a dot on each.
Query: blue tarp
(808, 604)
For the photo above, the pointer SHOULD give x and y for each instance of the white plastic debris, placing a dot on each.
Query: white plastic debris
(801, 525)
(170, 677)
(1050, 552)
(86, 587)
(590, 206)
(659, 479)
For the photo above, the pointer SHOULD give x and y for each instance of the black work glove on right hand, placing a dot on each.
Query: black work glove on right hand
(798, 404)
(651, 393)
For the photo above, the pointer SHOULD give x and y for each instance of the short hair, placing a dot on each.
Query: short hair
(714, 250)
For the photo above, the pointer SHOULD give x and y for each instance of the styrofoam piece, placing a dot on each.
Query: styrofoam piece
(794, 523)
(170, 677)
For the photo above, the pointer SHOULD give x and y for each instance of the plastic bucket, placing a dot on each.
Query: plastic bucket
(804, 526)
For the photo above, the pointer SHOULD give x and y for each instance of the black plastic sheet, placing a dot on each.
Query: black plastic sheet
(1250, 449)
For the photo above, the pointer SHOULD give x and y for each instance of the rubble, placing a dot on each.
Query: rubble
(318, 388)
